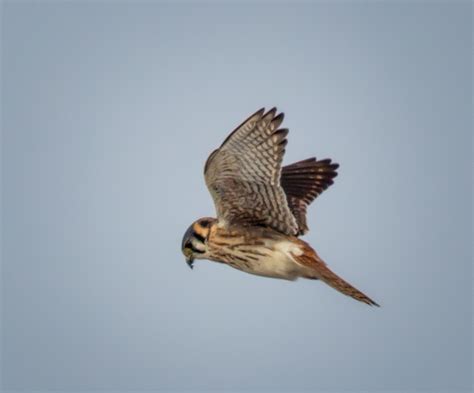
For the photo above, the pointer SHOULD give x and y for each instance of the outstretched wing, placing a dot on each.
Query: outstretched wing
(243, 175)
(303, 182)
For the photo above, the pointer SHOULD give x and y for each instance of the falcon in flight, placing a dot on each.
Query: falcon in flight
(261, 207)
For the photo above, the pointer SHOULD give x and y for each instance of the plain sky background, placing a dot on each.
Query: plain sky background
(109, 112)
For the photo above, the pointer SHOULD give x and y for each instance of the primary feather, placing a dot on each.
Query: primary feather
(243, 175)
(303, 182)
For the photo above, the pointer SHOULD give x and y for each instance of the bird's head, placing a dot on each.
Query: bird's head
(194, 244)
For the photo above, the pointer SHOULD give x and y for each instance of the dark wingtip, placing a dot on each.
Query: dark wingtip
(279, 117)
(259, 113)
(283, 132)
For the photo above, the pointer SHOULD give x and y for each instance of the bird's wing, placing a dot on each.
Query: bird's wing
(243, 175)
(303, 182)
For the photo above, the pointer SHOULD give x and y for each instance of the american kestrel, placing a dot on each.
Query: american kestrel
(261, 207)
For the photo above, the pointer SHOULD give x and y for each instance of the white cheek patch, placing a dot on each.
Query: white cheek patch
(198, 245)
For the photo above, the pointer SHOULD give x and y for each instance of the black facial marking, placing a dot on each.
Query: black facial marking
(199, 237)
(187, 236)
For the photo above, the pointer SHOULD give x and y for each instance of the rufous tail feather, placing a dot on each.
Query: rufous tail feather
(336, 282)
(319, 270)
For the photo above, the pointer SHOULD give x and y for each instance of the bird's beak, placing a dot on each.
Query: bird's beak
(189, 261)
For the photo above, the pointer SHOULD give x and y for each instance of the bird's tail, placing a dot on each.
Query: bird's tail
(319, 270)
(333, 280)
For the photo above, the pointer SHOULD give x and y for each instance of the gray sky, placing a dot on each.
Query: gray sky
(109, 113)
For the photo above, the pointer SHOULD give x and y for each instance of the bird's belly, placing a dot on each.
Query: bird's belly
(275, 264)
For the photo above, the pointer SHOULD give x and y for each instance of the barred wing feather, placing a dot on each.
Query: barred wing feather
(243, 175)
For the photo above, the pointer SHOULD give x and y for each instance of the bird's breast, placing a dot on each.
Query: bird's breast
(261, 255)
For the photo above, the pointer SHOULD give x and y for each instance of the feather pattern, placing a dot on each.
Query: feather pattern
(243, 175)
(303, 182)
(318, 270)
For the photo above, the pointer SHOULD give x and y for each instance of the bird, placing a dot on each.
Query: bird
(261, 207)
